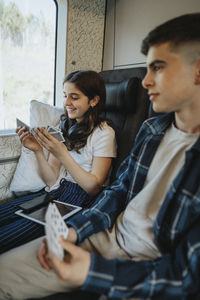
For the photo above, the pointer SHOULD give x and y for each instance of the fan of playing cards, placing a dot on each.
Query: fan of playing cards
(54, 131)
(54, 228)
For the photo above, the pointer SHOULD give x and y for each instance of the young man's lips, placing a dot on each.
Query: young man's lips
(152, 96)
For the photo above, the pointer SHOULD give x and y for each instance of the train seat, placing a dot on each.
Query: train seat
(127, 106)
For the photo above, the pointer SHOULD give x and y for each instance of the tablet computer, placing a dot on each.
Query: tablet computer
(66, 210)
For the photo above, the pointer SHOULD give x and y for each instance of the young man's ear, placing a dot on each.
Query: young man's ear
(197, 72)
(94, 101)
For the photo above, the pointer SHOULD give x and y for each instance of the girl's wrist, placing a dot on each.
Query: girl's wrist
(64, 155)
(38, 151)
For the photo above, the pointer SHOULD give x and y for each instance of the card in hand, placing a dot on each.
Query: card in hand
(22, 124)
(51, 129)
(54, 228)
(59, 136)
(56, 133)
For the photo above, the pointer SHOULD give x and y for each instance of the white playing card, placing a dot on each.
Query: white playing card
(55, 227)
(56, 132)
(58, 135)
(22, 124)
(51, 129)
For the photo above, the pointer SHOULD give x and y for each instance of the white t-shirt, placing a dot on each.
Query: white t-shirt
(101, 143)
(135, 225)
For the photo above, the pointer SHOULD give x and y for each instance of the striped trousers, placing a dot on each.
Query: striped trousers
(16, 230)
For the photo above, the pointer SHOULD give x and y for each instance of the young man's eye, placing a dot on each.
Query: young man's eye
(157, 68)
(75, 98)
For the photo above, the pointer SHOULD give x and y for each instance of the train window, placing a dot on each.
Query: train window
(28, 37)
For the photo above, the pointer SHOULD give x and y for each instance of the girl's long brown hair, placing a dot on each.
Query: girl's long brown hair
(91, 84)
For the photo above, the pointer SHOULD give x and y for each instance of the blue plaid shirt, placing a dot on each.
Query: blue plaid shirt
(174, 275)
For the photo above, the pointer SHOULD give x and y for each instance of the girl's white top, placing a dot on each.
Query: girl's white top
(101, 143)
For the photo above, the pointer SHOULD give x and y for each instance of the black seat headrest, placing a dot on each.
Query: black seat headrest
(120, 95)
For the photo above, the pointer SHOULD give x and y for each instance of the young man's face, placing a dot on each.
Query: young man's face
(170, 79)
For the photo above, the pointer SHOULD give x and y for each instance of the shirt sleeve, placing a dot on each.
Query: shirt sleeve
(175, 275)
(104, 142)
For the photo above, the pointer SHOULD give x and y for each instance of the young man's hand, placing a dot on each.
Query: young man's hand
(74, 268)
(43, 255)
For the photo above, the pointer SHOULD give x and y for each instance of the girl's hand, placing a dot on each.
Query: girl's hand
(54, 146)
(28, 140)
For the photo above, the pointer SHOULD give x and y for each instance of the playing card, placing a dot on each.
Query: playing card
(58, 135)
(51, 129)
(55, 227)
(22, 124)
(56, 132)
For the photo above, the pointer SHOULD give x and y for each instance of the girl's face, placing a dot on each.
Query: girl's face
(76, 103)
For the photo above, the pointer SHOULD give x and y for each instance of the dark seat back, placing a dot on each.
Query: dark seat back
(126, 105)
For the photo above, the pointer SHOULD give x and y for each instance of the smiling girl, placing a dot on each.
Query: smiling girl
(75, 170)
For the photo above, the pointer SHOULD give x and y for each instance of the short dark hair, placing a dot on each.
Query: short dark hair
(177, 31)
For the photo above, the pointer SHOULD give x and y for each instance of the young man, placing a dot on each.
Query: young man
(141, 237)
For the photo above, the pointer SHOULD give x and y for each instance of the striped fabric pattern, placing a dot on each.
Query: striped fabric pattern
(15, 230)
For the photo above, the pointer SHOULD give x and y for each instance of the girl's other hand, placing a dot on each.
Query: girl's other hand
(28, 140)
(57, 148)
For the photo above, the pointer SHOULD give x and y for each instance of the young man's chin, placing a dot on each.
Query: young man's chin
(158, 109)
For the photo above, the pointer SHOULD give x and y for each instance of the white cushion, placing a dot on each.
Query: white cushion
(26, 178)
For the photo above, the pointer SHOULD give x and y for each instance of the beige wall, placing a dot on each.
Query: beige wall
(127, 23)
(85, 34)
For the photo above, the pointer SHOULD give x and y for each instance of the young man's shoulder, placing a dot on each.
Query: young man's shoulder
(158, 124)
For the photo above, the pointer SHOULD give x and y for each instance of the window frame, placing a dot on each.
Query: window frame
(60, 51)
(60, 56)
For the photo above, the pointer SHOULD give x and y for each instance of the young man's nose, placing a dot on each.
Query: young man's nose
(147, 81)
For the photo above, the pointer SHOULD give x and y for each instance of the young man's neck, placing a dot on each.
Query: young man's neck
(188, 122)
